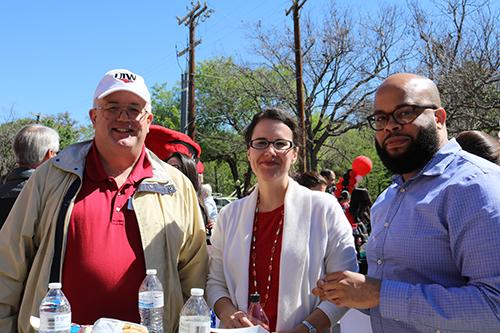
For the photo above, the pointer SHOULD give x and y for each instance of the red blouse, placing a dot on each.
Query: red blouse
(267, 225)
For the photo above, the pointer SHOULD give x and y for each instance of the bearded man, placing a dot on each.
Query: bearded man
(433, 263)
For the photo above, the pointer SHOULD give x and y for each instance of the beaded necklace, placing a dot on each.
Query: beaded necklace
(253, 253)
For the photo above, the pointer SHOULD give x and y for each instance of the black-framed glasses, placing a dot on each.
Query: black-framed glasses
(402, 115)
(279, 144)
(133, 111)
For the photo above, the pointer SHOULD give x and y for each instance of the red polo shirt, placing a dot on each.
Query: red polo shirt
(104, 261)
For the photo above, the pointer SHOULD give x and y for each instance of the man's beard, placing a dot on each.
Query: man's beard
(419, 152)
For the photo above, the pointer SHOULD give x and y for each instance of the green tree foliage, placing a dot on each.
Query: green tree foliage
(69, 132)
(166, 106)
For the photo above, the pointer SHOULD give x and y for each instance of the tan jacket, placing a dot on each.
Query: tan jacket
(171, 228)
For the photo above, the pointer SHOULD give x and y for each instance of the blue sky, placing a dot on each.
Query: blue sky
(53, 53)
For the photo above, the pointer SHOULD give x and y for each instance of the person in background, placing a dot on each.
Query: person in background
(98, 215)
(188, 167)
(165, 141)
(210, 206)
(358, 214)
(480, 144)
(330, 177)
(181, 152)
(260, 241)
(33, 145)
(312, 180)
(344, 200)
(433, 262)
(206, 191)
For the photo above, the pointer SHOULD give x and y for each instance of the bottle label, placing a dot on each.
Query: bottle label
(55, 321)
(150, 299)
(194, 324)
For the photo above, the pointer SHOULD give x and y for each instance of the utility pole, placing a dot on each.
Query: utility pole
(184, 92)
(296, 6)
(191, 20)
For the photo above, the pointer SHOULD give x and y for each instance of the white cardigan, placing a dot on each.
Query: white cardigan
(317, 238)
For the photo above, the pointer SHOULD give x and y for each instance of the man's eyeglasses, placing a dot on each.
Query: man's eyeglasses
(402, 115)
(279, 144)
(133, 111)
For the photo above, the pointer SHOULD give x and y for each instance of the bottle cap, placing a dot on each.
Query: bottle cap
(255, 298)
(197, 292)
(55, 285)
(151, 271)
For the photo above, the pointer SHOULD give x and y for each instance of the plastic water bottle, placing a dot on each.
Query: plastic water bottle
(195, 314)
(151, 302)
(55, 311)
(255, 312)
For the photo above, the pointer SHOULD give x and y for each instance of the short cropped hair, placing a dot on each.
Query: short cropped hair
(273, 114)
(32, 142)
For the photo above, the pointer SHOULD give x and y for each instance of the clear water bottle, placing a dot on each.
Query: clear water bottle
(151, 302)
(195, 314)
(255, 312)
(55, 311)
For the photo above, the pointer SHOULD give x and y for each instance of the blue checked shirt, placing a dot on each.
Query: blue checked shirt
(435, 244)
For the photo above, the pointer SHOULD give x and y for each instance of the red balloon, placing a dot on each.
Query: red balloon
(362, 165)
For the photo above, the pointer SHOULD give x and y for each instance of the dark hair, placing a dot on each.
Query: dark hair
(344, 196)
(274, 114)
(188, 168)
(359, 207)
(327, 173)
(480, 144)
(310, 179)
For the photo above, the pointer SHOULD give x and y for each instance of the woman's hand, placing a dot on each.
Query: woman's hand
(236, 319)
(229, 315)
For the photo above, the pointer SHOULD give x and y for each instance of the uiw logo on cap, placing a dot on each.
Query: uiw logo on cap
(125, 77)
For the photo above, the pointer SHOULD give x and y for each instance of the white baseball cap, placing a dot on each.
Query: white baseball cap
(123, 80)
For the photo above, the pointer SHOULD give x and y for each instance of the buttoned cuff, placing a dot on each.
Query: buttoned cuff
(394, 300)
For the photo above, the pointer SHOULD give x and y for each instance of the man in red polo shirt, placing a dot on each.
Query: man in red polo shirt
(100, 214)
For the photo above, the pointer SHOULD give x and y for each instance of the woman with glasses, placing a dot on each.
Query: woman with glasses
(279, 241)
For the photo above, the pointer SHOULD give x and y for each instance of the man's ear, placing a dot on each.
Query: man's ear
(149, 119)
(48, 155)
(92, 115)
(440, 117)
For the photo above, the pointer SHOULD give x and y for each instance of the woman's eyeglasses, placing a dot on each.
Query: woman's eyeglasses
(279, 144)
